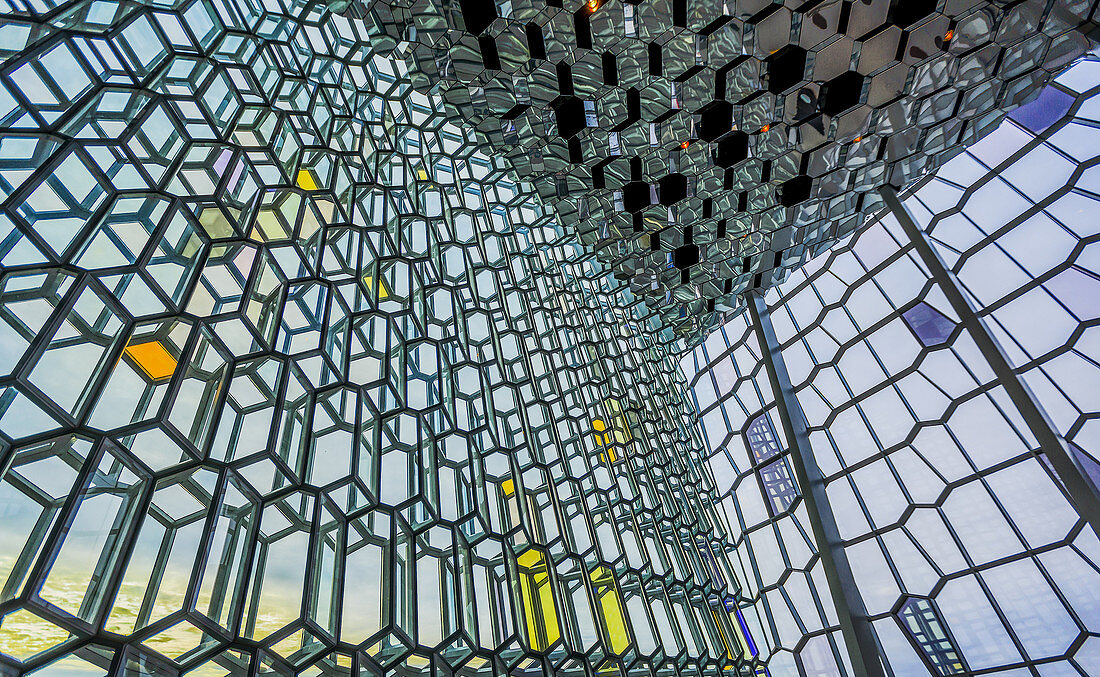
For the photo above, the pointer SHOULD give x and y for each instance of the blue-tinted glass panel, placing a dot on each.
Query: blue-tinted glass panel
(1090, 464)
(778, 485)
(929, 324)
(761, 438)
(1044, 111)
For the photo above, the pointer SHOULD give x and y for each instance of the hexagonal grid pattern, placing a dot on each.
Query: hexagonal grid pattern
(967, 552)
(706, 148)
(297, 380)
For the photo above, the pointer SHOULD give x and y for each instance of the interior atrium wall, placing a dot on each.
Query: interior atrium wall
(966, 551)
(296, 380)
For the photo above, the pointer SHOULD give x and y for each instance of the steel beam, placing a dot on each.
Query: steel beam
(1080, 486)
(859, 639)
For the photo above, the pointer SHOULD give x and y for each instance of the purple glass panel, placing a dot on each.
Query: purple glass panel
(1051, 104)
(929, 324)
(1090, 465)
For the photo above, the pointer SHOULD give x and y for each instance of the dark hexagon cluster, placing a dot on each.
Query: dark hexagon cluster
(706, 148)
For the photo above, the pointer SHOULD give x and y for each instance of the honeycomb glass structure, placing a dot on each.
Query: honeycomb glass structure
(964, 542)
(302, 373)
(704, 148)
(299, 379)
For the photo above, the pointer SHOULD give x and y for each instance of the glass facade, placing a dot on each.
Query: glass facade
(304, 372)
(965, 546)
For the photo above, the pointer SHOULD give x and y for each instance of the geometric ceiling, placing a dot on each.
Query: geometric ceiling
(703, 149)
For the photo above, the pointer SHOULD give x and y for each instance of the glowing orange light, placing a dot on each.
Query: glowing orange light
(948, 35)
(765, 128)
(685, 144)
(593, 5)
(857, 139)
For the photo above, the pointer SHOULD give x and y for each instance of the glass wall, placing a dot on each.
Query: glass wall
(297, 380)
(965, 548)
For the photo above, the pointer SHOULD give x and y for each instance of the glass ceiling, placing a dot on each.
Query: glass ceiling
(299, 378)
(704, 149)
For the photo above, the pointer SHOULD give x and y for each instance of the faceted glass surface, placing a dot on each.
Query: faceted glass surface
(303, 373)
(965, 548)
(703, 149)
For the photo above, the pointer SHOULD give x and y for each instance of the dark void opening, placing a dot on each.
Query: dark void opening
(841, 93)
(489, 53)
(582, 27)
(655, 58)
(793, 191)
(715, 119)
(687, 255)
(635, 196)
(575, 151)
(535, 41)
(672, 189)
(597, 174)
(477, 15)
(905, 13)
(569, 112)
(679, 13)
(633, 105)
(610, 69)
(732, 148)
(565, 78)
(785, 68)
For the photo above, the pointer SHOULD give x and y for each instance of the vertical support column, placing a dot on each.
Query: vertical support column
(859, 639)
(1082, 490)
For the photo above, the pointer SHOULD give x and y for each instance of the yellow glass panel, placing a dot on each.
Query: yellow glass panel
(383, 293)
(511, 504)
(733, 646)
(540, 611)
(611, 609)
(608, 669)
(153, 359)
(614, 431)
(603, 439)
(422, 175)
(306, 180)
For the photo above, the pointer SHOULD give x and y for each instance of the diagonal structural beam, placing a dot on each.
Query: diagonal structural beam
(859, 639)
(1082, 490)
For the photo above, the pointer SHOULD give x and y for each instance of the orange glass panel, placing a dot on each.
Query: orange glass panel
(153, 359)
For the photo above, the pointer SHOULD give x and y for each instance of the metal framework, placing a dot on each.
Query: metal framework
(298, 379)
(959, 528)
(858, 636)
(1082, 487)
